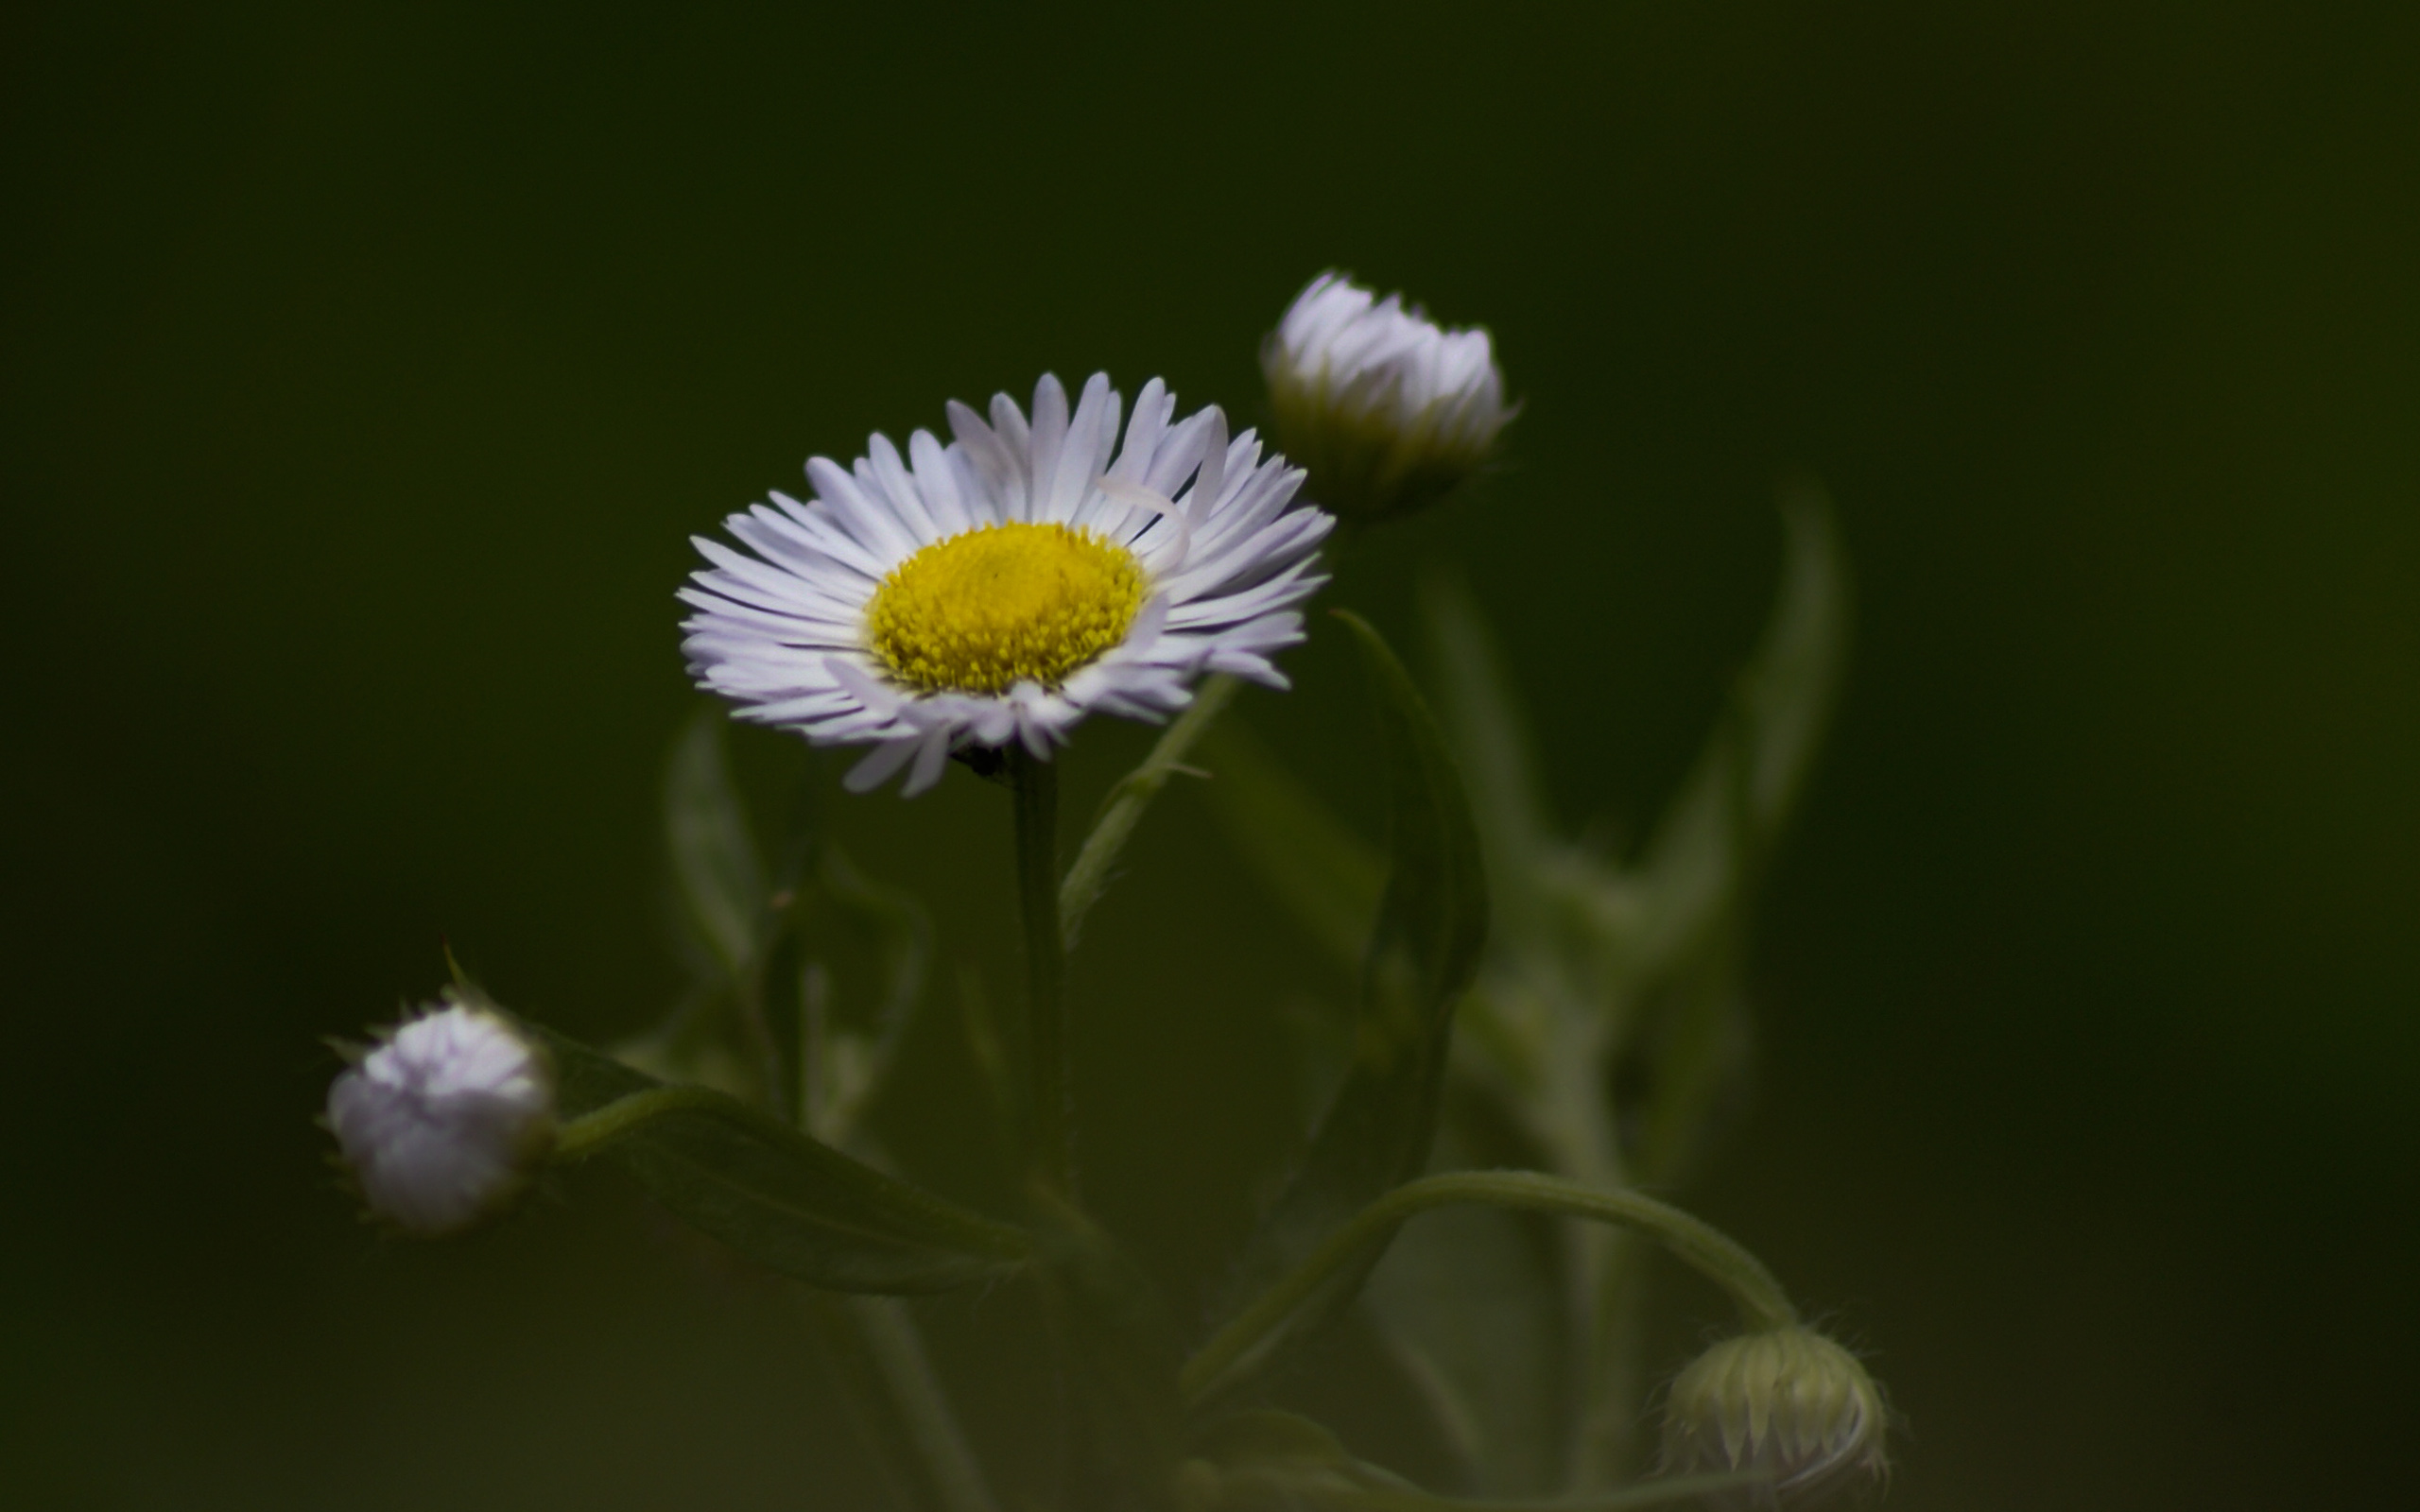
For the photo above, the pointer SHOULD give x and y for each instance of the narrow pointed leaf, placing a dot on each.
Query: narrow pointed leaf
(1701, 862)
(1329, 878)
(1467, 1303)
(1123, 809)
(715, 863)
(891, 924)
(877, 1357)
(1423, 953)
(1484, 720)
(789, 1203)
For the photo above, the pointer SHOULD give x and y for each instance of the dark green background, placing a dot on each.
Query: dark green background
(366, 371)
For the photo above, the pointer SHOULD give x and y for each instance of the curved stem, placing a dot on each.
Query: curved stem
(1052, 1157)
(1761, 1302)
(1089, 877)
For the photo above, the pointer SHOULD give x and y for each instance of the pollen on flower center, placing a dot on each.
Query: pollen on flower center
(981, 612)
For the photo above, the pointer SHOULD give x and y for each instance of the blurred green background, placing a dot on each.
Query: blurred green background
(367, 368)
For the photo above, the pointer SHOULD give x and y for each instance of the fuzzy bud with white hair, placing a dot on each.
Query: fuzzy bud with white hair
(442, 1123)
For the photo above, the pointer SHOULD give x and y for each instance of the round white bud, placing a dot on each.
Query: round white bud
(1788, 1403)
(442, 1123)
(1387, 410)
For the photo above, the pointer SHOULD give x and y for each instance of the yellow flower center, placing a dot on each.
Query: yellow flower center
(1003, 603)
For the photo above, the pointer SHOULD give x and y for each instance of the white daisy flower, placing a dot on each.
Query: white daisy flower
(443, 1122)
(1387, 410)
(1000, 588)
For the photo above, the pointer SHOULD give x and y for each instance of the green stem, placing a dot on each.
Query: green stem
(1759, 1299)
(1052, 1157)
(1089, 877)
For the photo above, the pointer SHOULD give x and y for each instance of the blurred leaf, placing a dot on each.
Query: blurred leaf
(878, 1360)
(859, 1381)
(1699, 863)
(1126, 1356)
(1467, 1303)
(850, 1068)
(1269, 1461)
(1696, 1048)
(1328, 876)
(1122, 808)
(788, 1202)
(1264, 1460)
(1433, 923)
(715, 863)
(1488, 735)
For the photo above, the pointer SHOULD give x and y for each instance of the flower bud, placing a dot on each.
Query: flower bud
(1386, 410)
(1788, 1403)
(443, 1122)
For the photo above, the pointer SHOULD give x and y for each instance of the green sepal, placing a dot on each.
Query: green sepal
(1423, 955)
(791, 1203)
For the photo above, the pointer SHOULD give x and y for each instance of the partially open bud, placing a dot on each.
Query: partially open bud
(443, 1122)
(1387, 410)
(1788, 1403)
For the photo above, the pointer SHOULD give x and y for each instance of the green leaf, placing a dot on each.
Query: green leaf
(715, 863)
(1269, 1461)
(1701, 863)
(1697, 883)
(1466, 1302)
(878, 1360)
(1484, 720)
(1114, 1326)
(788, 1202)
(1431, 926)
(1264, 1460)
(1305, 1296)
(847, 1067)
(1329, 877)
(1122, 808)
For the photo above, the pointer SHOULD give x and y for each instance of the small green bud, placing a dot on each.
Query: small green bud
(1788, 1403)
(1386, 410)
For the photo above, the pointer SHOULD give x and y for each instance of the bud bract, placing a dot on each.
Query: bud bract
(442, 1123)
(1387, 410)
(1787, 1403)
